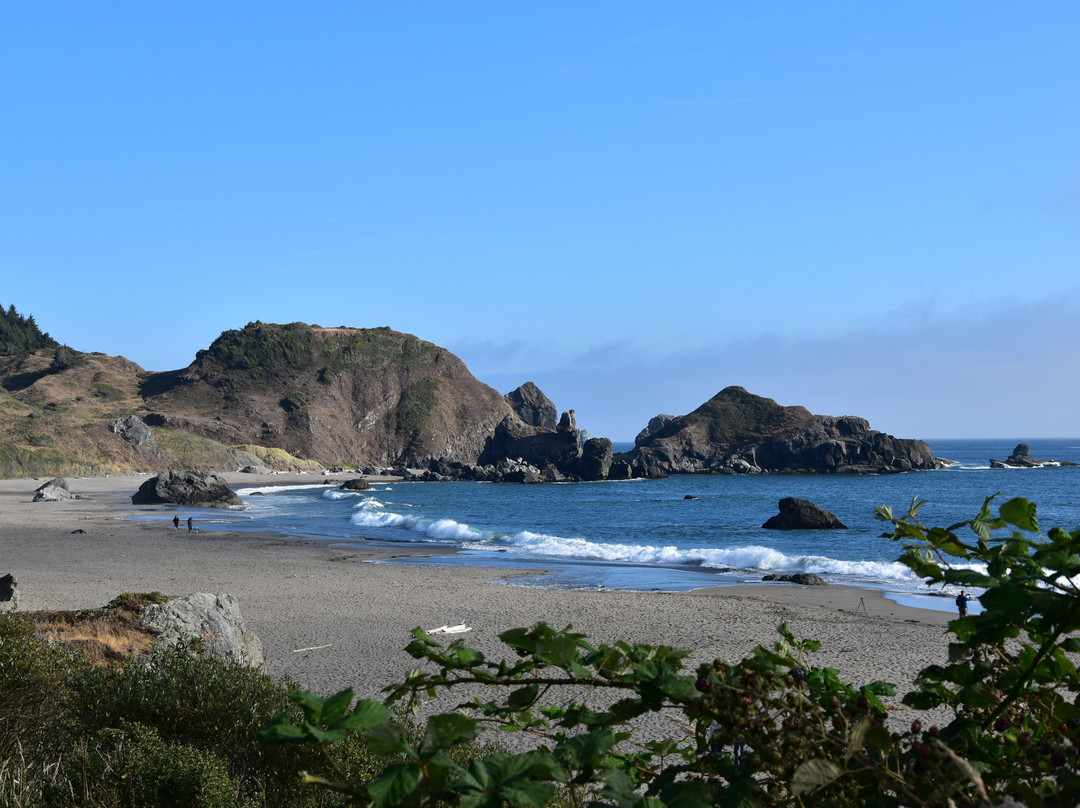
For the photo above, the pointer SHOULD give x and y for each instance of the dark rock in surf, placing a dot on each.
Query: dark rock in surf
(1021, 459)
(799, 514)
(358, 484)
(800, 578)
(595, 461)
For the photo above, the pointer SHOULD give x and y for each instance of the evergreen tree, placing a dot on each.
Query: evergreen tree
(19, 334)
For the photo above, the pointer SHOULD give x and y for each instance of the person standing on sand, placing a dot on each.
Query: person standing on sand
(962, 602)
(176, 521)
(190, 524)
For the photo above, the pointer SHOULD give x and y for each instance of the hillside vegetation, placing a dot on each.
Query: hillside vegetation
(287, 397)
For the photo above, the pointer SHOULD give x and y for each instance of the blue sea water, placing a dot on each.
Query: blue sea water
(646, 534)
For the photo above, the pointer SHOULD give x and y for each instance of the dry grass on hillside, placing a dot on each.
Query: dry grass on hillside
(102, 636)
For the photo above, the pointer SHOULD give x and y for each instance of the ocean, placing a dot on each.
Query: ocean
(648, 535)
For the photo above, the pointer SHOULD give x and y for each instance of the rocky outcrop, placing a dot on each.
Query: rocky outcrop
(213, 620)
(346, 396)
(55, 490)
(187, 488)
(655, 426)
(800, 578)
(535, 445)
(532, 406)
(9, 593)
(1021, 459)
(740, 433)
(799, 514)
(595, 461)
(134, 431)
(359, 484)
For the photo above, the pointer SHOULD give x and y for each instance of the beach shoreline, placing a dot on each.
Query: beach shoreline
(330, 618)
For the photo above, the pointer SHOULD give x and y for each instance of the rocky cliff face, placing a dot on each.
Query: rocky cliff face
(738, 432)
(336, 394)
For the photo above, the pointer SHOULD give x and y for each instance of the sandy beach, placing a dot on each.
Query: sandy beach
(355, 615)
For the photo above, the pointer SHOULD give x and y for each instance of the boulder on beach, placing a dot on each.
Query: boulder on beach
(55, 490)
(213, 620)
(799, 514)
(187, 488)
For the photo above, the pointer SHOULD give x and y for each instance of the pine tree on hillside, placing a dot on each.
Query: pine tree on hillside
(20, 334)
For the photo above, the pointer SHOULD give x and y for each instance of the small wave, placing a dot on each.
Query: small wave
(371, 513)
(274, 489)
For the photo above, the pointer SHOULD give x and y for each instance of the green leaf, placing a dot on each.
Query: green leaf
(365, 715)
(387, 739)
(447, 730)
(281, 730)
(395, 785)
(812, 775)
(334, 707)
(520, 699)
(1021, 513)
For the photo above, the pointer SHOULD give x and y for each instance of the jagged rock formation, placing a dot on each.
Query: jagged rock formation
(213, 620)
(186, 488)
(799, 514)
(737, 432)
(532, 406)
(1021, 459)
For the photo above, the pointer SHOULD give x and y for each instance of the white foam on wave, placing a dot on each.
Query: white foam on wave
(751, 558)
(372, 513)
(273, 489)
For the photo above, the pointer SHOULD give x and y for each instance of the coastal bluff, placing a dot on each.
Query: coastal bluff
(298, 397)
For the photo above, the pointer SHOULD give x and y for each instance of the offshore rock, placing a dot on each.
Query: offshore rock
(738, 432)
(1021, 459)
(535, 445)
(213, 620)
(187, 488)
(595, 461)
(532, 406)
(799, 514)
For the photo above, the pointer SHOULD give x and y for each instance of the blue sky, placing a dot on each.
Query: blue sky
(863, 208)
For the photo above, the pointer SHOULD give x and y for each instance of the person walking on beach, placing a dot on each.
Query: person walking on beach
(190, 524)
(176, 522)
(962, 602)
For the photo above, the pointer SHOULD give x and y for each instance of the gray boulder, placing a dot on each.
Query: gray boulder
(55, 490)
(359, 484)
(532, 406)
(799, 514)
(133, 430)
(9, 593)
(214, 620)
(187, 488)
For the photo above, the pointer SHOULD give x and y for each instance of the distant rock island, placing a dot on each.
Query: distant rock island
(300, 397)
(1021, 459)
(736, 432)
